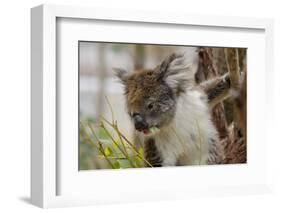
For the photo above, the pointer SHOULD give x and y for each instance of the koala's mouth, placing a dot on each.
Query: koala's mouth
(150, 131)
(141, 125)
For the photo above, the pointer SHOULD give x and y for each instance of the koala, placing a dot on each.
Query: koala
(170, 114)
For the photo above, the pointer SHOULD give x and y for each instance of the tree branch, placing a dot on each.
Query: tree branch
(232, 62)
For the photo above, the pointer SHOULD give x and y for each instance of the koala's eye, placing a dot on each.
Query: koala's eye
(150, 106)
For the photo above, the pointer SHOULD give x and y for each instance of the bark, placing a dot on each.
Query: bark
(232, 61)
(206, 71)
(238, 85)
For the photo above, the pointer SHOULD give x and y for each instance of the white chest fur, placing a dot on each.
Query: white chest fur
(186, 140)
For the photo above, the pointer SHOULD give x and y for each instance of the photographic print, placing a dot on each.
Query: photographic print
(148, 105)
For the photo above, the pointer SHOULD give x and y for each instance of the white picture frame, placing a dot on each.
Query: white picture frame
(45, 165)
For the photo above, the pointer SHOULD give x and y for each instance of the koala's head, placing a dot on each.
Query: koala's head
(152, 94)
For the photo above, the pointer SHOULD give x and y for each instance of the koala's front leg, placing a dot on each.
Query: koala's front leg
(151, 153)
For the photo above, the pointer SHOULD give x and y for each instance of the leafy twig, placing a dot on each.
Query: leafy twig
(100, 148)
(117, 145)
(128, 142)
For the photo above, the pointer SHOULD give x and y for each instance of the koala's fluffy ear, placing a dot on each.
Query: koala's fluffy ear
(121, 74)
(176, 71)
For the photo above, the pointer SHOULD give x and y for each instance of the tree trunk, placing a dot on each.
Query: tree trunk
(206, 71)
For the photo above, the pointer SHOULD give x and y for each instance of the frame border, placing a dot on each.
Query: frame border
(43, 87)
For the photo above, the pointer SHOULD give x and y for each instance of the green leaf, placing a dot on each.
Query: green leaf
(107, 151)
(116, 165)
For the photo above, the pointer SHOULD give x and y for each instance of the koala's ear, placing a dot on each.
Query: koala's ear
(121, 74)
(176, 71)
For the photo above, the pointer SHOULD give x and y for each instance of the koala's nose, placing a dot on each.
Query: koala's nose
(139, 122)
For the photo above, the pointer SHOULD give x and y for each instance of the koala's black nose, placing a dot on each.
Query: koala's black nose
(139, 122)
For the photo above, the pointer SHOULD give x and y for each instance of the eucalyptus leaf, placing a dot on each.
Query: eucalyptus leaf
(107, 151)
